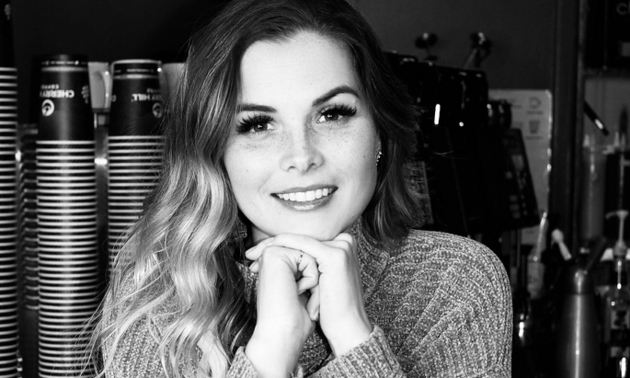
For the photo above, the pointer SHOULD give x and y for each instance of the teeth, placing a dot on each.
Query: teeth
(306, 196)
(310, 195)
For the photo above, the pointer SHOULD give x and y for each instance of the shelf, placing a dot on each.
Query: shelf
(607, 72)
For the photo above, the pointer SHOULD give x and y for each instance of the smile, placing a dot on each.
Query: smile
(305, 200)
(306, 196)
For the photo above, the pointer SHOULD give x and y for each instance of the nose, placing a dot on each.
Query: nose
(301, 151)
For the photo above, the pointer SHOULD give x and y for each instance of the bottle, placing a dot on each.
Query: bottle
(616, 327)
(535, 266)
(577, 348)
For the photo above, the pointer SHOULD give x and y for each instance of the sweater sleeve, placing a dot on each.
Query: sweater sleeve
(242, 368)
(137, 355)
(371, 359)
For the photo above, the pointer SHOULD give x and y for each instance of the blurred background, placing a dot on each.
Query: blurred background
(522, 146)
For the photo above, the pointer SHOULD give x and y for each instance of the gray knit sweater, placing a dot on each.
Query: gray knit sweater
(440, 306)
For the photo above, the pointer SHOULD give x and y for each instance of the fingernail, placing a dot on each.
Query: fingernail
(254, 266)
(249, 251)
(252, 249)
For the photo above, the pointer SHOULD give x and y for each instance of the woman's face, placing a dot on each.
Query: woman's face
(302, 156)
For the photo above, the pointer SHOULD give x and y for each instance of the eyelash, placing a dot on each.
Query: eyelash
(248, 124)
(340, 110)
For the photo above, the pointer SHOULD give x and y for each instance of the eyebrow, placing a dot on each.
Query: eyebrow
(317, 102)
(334, 92)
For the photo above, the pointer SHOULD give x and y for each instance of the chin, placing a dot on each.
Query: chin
(320, 228)
(321, 234)
(319, 231)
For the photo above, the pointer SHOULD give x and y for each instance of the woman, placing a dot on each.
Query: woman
(279, 241)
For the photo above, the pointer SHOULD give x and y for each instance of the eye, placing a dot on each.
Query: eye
(254, 124)
(336, 113)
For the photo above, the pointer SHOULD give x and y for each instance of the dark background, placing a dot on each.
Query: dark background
(107, 30)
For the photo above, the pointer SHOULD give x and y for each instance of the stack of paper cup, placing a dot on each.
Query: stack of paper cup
(69, 280)
(135, 145)
(27, 192)
(8, 224)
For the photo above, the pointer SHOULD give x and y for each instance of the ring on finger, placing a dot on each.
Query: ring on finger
(300, 259)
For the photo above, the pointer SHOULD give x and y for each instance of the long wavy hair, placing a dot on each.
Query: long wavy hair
(182, 247)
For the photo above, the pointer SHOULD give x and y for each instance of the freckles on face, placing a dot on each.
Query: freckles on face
(301, 158)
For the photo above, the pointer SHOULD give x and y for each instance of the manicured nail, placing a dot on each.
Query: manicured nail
(251, 251)
(254, 267)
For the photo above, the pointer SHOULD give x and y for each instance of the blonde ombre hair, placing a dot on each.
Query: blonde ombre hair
(182, 249)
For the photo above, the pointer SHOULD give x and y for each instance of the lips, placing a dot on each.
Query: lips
(305, 195)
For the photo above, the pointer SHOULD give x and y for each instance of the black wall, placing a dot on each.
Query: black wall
(104, 30)
(521, 31)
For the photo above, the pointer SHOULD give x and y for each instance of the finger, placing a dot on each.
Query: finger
(340, 244)
(313, 247)
(277, 281)
(291, 256)
(344, 241)
(345, 237)
(303, 298)
(312, 307)
(254, 252)
(255, 267)
(309, 274)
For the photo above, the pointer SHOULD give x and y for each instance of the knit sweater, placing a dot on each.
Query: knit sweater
(440, 306)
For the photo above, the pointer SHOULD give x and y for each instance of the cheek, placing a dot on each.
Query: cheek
(359, 151)
(246, 170)
(236, 168)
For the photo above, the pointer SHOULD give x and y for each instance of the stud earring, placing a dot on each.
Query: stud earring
(378, 156)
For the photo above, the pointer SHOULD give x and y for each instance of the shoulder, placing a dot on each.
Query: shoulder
(441, 292)
(443, 252)
(439, 268)
(114, 303)
(126, 296)
(444, 244)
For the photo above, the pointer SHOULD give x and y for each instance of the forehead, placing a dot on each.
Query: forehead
(303, 65)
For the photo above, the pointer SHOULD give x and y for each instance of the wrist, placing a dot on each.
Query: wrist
(351, 338)
(273, 356)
